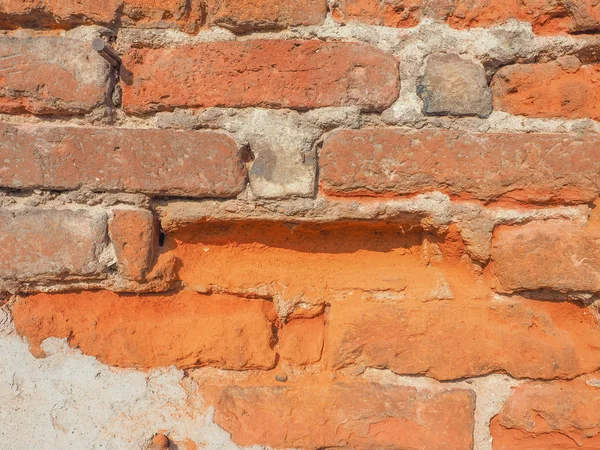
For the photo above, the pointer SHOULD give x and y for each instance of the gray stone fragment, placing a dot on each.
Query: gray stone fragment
(454, 86)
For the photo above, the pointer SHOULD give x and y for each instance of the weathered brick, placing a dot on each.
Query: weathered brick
(455, 86)
(250, 15)
(465, 337)
(187, 15)
(559, 415)
(389, 13)
(269, 73)
(548, 90)
(42, 244)
(50, 75)
(134, 234)
(308, 264)
(545, 16)
(485, 166)
(56, 13)
(162, 162)
(301, 340)
(184, 329)
(555, 255)
(348, 415)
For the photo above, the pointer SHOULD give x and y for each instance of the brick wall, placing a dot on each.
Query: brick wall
(309, 224)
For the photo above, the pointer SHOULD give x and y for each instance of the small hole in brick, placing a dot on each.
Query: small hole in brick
(246, 154)
(161, 238)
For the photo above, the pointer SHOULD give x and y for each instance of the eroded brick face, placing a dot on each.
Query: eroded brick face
(50, 75)
(545, 16)
(51, 243)
(360, 415)
(249, 15)
(553, 415)
(161, 162)
(128, 331)
(299, 224)
(57, 13)
(536, 168)
(287, 74)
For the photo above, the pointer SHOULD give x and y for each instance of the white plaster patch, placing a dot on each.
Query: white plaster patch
(72, 401)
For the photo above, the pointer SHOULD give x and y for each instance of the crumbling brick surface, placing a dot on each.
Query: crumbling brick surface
(311, 224)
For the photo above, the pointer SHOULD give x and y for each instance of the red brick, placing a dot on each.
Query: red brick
(389, 13)
(250, 15)
(56, 13)
(548, 90)
(359, 415)
(161, 162)
(187, 15)
(555, 255)
(50, 75)
(465, 337)
(269, 73)
(183, 329)
(558, 415)
(41, 244)
(545, 16)
(301, 340)
(134, 235)
(485, 166)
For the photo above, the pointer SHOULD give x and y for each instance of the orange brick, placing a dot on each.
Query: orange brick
(301, 340)
(545, 16)
(389, 13)
(548, 90)
(57, 13)
(187, 15)
(554, 255)
(353, 415)
(535, 168)
(269, 73)
(559, 415)
(464, 337)
(252, 15)
(134, 235)
(183, 329)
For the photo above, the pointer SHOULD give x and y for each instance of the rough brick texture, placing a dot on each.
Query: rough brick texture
(57, 13)
(301, 340)
(50, 244)
(195, 164)
(290, 74)
(556, 255)
(525, 167)
(135, 235)
(361, 415)
(558, 415)
(545, 16)
(300, 224)
(455, 86)
(50, 75)
(466, 338)
(249, 15)
(549, 90)
(187, 15)
(185, 329)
